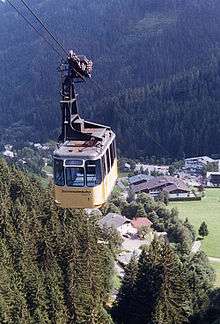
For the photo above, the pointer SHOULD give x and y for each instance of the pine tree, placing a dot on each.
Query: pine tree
(200, 277)
(53, 268)
(173, 303)
(190, 228)
(160, 293)
(203, 230)
(124, 307)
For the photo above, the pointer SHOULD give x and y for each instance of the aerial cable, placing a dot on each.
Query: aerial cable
(45, 39)
(63, 49)
(45, 27)
(30, 24)
(53, 37)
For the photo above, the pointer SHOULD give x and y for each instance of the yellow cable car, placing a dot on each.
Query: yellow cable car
(85, 164)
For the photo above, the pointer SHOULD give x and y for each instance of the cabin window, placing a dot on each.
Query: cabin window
(103, 166)
(75, 177)
(74, 162)
(112, 153)
(115, 151)
(59, 173)
(108, 161)
(93, 173)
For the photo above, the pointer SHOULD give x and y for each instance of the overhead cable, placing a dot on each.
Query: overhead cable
(36, 30)
(44, 26)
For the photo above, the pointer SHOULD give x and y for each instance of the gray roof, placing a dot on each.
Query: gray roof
(113, 220)
(139, 177)
(201, 158)
(160, 182)
(84, 150)
(177, 186)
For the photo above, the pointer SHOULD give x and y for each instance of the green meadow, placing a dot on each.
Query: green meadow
(207, 210)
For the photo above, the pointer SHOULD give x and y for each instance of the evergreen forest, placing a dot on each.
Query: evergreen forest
(53, 265)
(57, 265)
(156, 74)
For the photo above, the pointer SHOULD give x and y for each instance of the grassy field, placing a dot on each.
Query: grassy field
(207, 210)
(216, 266)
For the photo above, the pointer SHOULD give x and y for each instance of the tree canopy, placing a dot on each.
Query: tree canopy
(54, 267)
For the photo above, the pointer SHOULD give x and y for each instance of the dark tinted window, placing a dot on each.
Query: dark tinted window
(93, 173)
(115, 151)
(74, 162)
(108, 161)
(112, 153)
(75, 177)
(103, 166)
(59, 173)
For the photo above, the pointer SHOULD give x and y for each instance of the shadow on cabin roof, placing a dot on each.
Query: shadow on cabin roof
(113, 220)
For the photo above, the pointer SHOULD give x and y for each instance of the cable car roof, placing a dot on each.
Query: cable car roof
(85, 149)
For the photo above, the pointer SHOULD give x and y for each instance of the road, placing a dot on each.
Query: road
(196, 247)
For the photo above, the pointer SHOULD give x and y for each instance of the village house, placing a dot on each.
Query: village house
(162, 169)
(138, 179)
(8, 151)
(197, 164)
(8, 154)
(139, 222)
(213, 179)
(175, 187)
(118, 222)
(38, 146)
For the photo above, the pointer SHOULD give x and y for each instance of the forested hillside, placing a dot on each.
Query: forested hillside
(156, 72)
(57, 265)
(53, 267)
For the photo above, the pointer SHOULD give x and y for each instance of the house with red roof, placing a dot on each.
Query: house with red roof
(139, 222)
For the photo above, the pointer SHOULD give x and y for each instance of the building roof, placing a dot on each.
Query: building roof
(153, 183)
(151, 167)
(140, 221)
(85, 149)
(161, 181)
(177, 186)
(113, 220)
(139, 177)
(212, 173)
(8, 153)
(200, 158)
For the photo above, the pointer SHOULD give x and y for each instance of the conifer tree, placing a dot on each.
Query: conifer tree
(203, 230)
(124, 308)
(173, 303)
(53, 269)
(160, 292)
(200, 278)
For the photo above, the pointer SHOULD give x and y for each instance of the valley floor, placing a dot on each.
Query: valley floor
(207, 210)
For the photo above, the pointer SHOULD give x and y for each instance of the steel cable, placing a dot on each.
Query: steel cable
(36, 30)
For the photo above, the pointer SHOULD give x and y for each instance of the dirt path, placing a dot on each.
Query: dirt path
(196, 247)
(214, 259)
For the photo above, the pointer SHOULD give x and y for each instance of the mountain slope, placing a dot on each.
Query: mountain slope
(49, 258)
(135, 45)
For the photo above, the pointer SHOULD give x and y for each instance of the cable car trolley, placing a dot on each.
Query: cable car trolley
(85, 163)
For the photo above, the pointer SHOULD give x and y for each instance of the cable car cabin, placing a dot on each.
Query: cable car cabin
(85, 165)
(85, 172)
